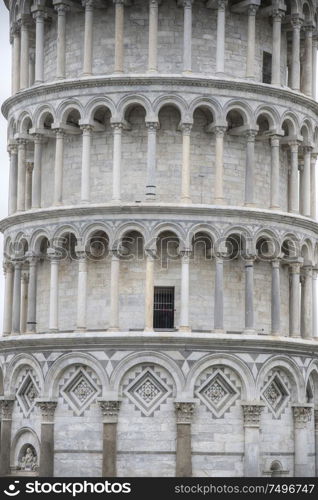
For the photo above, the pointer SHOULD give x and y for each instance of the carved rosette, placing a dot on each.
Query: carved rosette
(47, 410)
(6, 408)
(184, 412)
(302, 415)
(110, 410)
(252, 414)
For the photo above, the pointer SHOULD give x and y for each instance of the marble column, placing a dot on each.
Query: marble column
(307, 80)
(24, 53)
(117, 134)
(31, 314)
(302, 415)
(16, 303)
(184, 414)
(219, 295)
(119, 35)
(114, 293)
(220, 37)
(184, 302)
(39, 17)
(275, 187)
(314, 67)
(152, 128)
(316, 441)
(294, 179)
(81, 323)
(24, 300)
(153, 36)
(187, 35)
(61, 9)
(149, 290)
(250, 62)
(37, 171)
(110, 412)
(8, 296)
(314, 303)
(28, 185)
(313, 187)
(58, 166)
(294, 300)
(306, 189)
(249, 295)
(307, 303)
(88, 37)
(16, 48)
(21, 174)
(250, 168)
(252, 415)
(47, 438)
(219, 165)
(13, 179)
(54, 291)
(6, 407)
(295, 69)
(186, 163)
(276, 300)
(31, 67)
(86, 162)
(277, 16)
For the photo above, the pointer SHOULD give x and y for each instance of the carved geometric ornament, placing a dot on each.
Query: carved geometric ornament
(80, 391)
(276, 395)
(218, 393)
(147, 392)
(27, 394)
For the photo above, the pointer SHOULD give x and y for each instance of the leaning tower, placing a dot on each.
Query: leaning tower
(160, 248)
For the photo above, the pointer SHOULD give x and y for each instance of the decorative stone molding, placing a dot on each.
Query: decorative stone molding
(47, 408)
(302, 414)
(6, 407)
(110, 410)
(184, 411)
(252, 413)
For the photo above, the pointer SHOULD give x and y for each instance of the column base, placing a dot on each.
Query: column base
(185, 329)
(218, 330)
(295, 336)
(219, 201)
(152, 71)
(118, 72)
(187, 72)
(296, 212)
(6, 334)
(53, 330)
(276, 334)
(80, 329)
(186, 200)
(250, 331)
(86, 74)
(251, 205)
(149, 330)
(38, 82)
(113, 329)
(275, 207)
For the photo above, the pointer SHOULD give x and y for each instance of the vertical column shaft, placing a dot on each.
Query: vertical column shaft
(47, 438)
(21, 175)
(276, 50)
(184, 305)
(307, 303)
(250, 167)
(28, 185)
(184, 414)
(151, 161)
(249, 294)
(86, 161)
(306, 189)
(294, 301)
(219, 295)
(250, 62)
(313, 188)
(302, 415)
(24, 60)
(24, 301)
(88, 37)
(8, 296)
(61, 40)
(6, 405)
(187, 36)
(220, 36)
(149, 292)
(16, 60)
(252, 413)
(13, 179)
(37, 172)
(117, 131)
(186, 153)
(275, 173)
(16, 303)
(31, 315)
(314, 304)
(153, 36)
(219, 165)
(295, 77)
(39, 46)
(314, 67)
(82, 292)
(294, 179)
(316, 442)
(307, 84)
(119, 36)
(54, 294)
(275, 309)
(58, 166)
(110, 411)
(114, 292)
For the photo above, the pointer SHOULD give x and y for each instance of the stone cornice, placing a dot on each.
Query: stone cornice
(168, 340)
(167, 81)
(159, 211)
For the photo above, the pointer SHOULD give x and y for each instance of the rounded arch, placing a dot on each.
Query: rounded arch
(13, 370)
(307, 251)
(241, 369)
(203, 228)
(271, 115)
(94, 227)
(290, 124)
(94, 104)
(65, 108)
(290, 245)
(243, 109)
(63, 363)
(64, 230)
(24, 122)
(306, 131)
(12, 128)
(169, 227)
(149, 357)
(290, 368)
(129, 102)
(176, 102)
(272, 239)
(37, 239)
(312, 375)
(41, 114)
(211, 104)
(129, 227)
(23, 437)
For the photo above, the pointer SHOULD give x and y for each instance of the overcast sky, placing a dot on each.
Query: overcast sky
(5, 90)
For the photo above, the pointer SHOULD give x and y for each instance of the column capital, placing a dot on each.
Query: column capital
(250, 135)
(117, 126)
(276, 262)
(53, 254)
(151, 253)
(47, 408)
(219, 130)
(86, 128)
(153, 126)
(61, 8)
(38, 13)
(187, 4)
(22, 142)
(302, 414)
(12, 148)
(185, 254)
(29, 166)
(294, 267)
(6, 407)
(7, 266)
(221, 4)
(185, 128)
(252, 9)
(307, 149)
(296, 21)
(24, 22)
(277, 14)
(38, 138)
(252, 413)
(88, 4)
(274, 140)
(294, 146)
(59, 132)
(110, 410)
(32, 258)
(184, 411)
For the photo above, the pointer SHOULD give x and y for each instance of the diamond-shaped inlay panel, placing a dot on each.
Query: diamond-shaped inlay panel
(218, 393)
(80, 391)
(276, 395)
(27, 394)
(147, 392)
